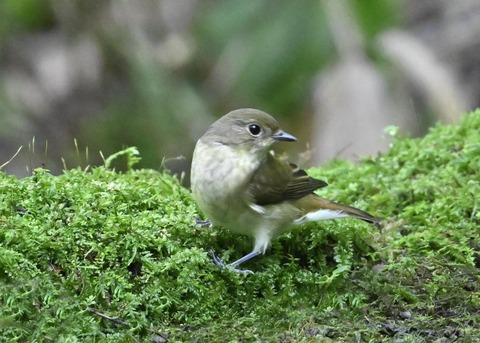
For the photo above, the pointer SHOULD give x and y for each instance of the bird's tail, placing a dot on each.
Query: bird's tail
(320, 208)
(353, 212)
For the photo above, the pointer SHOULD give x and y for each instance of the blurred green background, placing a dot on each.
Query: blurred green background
(104, 75)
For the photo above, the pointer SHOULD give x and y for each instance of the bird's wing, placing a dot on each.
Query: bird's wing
(276, 181)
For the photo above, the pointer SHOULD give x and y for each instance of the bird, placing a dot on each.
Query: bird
(239, 183)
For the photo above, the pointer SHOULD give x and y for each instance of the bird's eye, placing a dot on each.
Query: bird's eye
(254, 130)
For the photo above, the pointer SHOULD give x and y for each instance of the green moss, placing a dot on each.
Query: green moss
(104, 256)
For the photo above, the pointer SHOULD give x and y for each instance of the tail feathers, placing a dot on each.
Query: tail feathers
(320, 209)
(356, 213)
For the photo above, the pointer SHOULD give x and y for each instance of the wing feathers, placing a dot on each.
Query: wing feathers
(276, 181)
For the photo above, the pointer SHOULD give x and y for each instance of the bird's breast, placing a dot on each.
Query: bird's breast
(220, 176)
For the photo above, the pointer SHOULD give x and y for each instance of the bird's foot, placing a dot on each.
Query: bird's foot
(218, 261)
(203, 222)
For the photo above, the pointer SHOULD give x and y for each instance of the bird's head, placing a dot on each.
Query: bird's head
(247, 129)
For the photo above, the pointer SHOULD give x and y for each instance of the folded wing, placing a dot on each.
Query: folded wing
(277, 181)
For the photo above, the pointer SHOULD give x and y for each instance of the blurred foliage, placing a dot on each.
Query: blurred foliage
(375, 16)
(271, 51)
(279, 46)
(162, 83)
(24, 15)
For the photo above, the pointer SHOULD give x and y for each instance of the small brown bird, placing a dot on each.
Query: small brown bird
(239, 184)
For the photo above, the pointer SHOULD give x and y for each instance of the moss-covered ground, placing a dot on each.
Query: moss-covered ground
(101, 256)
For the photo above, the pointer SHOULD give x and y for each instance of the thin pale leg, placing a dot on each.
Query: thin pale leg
(245, 258)
(232, 265)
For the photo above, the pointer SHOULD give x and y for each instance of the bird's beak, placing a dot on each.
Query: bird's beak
(283, 136)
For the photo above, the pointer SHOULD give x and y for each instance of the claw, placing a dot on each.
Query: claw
(218, 261)
(241, 271)
(203, 223)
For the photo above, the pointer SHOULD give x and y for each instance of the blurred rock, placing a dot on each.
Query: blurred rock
(354, 101)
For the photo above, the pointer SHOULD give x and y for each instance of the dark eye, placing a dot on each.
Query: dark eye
(254, 129)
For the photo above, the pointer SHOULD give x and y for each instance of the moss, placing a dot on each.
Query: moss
(98, 255)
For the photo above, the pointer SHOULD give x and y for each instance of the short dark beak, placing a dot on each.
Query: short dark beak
(283, 136)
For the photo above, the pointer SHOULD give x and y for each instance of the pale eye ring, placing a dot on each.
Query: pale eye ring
(255, 130)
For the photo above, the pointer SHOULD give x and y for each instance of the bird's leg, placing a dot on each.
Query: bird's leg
(232, 266)
(245, 258)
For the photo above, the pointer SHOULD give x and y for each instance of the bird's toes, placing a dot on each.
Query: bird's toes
(218, 261)
(241, 271)
(203, 222)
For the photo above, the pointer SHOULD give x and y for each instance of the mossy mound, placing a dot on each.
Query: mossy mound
(105, 256)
